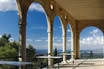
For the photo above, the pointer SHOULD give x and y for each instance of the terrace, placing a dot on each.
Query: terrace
(79, 14)
(84, 64)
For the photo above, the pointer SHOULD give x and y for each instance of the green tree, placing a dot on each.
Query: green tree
(31, 53)
(10, 49)
(4, 39)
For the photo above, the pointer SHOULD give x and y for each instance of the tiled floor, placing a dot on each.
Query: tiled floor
(84, 64)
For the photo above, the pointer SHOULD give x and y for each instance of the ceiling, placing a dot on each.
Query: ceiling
(84, 9)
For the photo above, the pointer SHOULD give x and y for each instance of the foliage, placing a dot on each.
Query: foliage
(31, 53)
(9, 51)
(4, 39)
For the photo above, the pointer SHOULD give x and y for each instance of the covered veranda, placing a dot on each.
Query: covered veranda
(78, 13)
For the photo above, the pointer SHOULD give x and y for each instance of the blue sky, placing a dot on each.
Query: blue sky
(91, 37)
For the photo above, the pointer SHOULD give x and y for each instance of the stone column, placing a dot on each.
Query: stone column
(64, 46)
(77, 45)
(50, 42)
(73, 45)
(22, 43)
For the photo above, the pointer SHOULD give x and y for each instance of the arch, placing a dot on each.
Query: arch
(57, 28)
(62, 23)
(90, 26)
(93, 41)
(45, 39)
(43, 19)
(42, 3)
(45, 12)
(68, 41)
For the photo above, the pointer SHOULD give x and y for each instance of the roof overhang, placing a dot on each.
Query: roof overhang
(84, 9)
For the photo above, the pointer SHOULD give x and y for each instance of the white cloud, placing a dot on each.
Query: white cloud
(36, 7)
(57, 45)
(68, 30)
(46, 40)
(92, 42)
(29, 40)
(55, 38)
(69, 40)
(0, 36)
(3, 0)
(38, 28)
(38, 40)
(58, 40)
(94, 31)
(10, 5)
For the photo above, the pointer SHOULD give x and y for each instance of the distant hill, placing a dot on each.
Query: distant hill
(45, 51)
(98, 51)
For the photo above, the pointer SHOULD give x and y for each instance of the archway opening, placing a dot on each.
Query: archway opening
(37, 36)
(68, 45)
(91, 43)
(57, 36)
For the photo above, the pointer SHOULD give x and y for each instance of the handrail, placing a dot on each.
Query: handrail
(10, 57)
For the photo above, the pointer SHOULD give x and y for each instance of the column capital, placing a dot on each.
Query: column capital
(49, 31)
(22, 23)
(64, 35)
(64, 52)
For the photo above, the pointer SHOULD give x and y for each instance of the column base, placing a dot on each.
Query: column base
(77, 57)
(72, 61)
(64, 62)
(51, 66)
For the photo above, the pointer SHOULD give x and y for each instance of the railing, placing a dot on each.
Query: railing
(91, 55)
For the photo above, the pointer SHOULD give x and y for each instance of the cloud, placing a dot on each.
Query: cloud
(92, 42)
(58, 40)
(55, 38)
(57, 45)
(36, 7)
(29, 40)
(69, 40)
(38, 28)
(0, 36)
(68, 30)
(10, 5)
(46, 40)
(38, 40)
(94, 31)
